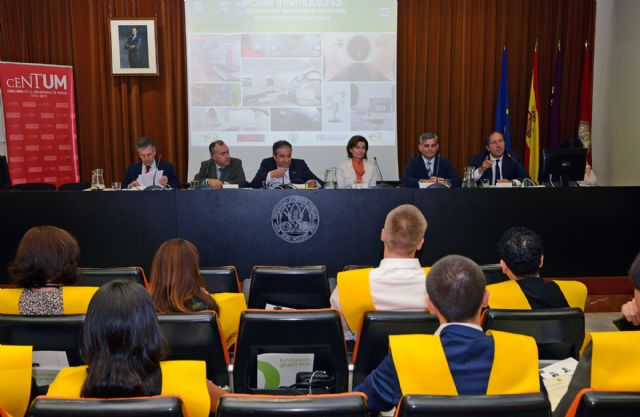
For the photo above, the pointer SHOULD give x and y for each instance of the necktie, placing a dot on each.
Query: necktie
(428, 168)
(218, 172)
(498, 173)
(148, 168)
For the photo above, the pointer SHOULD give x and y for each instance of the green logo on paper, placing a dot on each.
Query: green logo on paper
(270, 374)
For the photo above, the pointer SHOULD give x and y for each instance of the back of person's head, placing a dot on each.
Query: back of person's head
(634, 273)
(521, 249)
(572, 143)
(46, 255)
(175, 278)
(121, 342)
(404, 229)
(456, 286)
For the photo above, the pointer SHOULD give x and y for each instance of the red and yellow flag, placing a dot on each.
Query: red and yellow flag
(532, 148)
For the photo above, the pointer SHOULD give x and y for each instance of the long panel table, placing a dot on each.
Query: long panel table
(587, 231)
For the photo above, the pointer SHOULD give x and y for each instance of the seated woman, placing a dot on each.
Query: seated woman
(46, 260)
(123, 347)
(177, 287)
(357, 170)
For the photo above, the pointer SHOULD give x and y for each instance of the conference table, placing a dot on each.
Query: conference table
(586, 231)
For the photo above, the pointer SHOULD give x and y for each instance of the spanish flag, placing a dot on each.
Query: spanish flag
(532, 148)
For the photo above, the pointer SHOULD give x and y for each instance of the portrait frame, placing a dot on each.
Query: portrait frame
(133, 53)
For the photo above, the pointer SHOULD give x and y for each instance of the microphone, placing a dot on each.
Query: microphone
(508, 155)
(381, 183)
(375, 160)
(153, 186)
(438, 165)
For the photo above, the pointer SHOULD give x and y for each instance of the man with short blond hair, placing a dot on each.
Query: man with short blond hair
(398, 284)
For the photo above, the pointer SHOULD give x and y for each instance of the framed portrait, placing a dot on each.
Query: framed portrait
(134, 49)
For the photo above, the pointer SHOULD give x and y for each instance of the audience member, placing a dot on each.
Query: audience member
(459, 358)
(398, 283)
(496, 165)
(176, 285)
(123, 347)
(46, 260)
(221, 168)
(430, 167)
(631, 309)
(521, 257)
(146, 148)
(357, 169)
(281, 169)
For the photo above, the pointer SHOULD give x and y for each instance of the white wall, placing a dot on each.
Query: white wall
(616, 93)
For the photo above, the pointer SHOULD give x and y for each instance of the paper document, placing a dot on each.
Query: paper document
(47, 364)
(556, 378)
(147, 179)
(277, 370)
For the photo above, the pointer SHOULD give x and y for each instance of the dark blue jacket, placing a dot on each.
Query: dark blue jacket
(511, 169)
(469, 354)
(416, 171)
(134, 170)
(299, 172)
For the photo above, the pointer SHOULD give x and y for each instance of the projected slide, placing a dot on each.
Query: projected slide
(313, 72)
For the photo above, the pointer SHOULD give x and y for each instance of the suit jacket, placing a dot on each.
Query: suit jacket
(416, 171)
(231, 174)
(134, 170)
(299, 172)
(469, 354)
(512, 168)
(346, 175)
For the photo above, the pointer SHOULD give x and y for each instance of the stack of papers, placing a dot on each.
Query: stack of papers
(556, 378)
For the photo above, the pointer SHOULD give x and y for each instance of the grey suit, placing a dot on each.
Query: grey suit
(231, 174)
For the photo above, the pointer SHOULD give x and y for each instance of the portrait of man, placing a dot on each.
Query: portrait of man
(134, 46)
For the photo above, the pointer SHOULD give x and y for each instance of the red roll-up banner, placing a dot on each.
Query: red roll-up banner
(40, 122)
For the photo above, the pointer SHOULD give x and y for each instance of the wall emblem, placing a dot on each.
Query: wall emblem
(295, 219)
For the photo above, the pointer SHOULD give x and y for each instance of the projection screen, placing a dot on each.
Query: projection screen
(312, 72)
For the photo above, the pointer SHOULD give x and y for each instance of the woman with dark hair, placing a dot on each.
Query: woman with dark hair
(46, 260)
(177, 287)
(123, 347)
(357, 171)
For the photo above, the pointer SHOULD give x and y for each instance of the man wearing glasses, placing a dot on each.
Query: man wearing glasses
(496, 165)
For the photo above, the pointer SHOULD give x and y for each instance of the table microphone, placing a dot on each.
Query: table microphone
(381, 183)
(153, 186)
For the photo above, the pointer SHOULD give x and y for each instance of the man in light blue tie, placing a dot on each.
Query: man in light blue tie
(221, 168)
(429, 168)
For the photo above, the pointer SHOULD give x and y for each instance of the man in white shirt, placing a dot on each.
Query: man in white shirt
(398, 284)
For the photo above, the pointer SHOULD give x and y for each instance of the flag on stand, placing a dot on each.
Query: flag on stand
(584, 127)
(502, 108)
(554, 103)
(532, 148)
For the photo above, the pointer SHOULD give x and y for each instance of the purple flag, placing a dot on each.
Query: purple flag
(554, 104)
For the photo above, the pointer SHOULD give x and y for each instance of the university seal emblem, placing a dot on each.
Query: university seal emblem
(295, 219)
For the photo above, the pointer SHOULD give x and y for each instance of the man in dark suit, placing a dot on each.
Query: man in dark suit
(456, 291)
(221, 168)
(429, 168)
(132, 45)
(281, 169)
(146, 148)
(496, 165)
